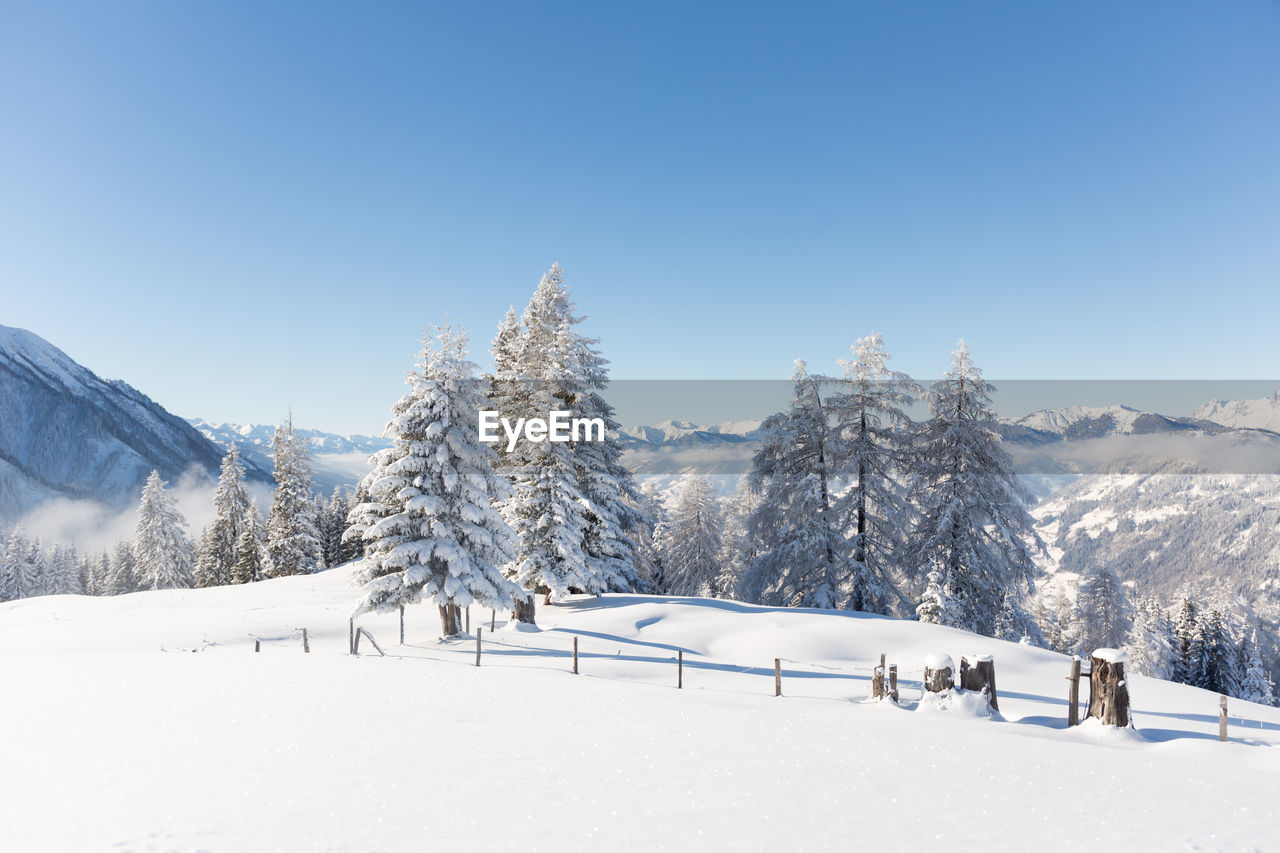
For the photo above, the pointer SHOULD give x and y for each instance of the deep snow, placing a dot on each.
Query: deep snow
(146, 722)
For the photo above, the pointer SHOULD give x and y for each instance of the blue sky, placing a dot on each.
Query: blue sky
(238, 207)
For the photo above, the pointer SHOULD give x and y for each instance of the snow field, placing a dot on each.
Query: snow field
(122, 738)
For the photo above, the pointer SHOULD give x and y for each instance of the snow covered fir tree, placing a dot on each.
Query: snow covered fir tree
(162, 551)
(430, 530)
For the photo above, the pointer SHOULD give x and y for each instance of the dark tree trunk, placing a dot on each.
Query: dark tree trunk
(980, 674)
(939, 680)
(450, 620)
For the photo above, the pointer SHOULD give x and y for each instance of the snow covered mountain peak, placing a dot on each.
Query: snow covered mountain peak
(1249, 414)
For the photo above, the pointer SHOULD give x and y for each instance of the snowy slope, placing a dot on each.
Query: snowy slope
(64, 432)
(129, 740)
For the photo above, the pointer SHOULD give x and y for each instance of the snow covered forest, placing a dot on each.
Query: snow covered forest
(849, 505)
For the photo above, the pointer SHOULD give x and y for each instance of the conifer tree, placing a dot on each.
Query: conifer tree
(439, 538)
(870, 411)
(160, 544)
(689, 538)
(739, 547)
(250, 559)
(1256, 684)
(124, 570)
(804, 558)
(13, 569)
(1187, 657)
(937, 606)
(218, 557)
(1101, 611)
(1151, 641)
(973, 527)
(292, 545)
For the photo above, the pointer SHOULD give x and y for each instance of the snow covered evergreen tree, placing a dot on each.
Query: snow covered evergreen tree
(804, 558)
(973, 528)
(739, 547)
(1101, 611)
(937, 606)
(1218, 656)
(160, 544)
(250, 549)
(870, 412)
(99, 575)
(292, 545)
(1187, 654)
(1256, 684)
(442, 540)
(689, 537)
(63, 572)
(124, 570)
(574, 506)
(217, 557)
(333, 525)
(14, 580)
(1151, 641)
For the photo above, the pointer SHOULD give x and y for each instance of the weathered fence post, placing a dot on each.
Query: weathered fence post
(306, 646)
(939, 673)
(877, 680)
(1108, 689)
(980, 674)
(777, 677)
(893, 681)
(468, 618)
(402, 624)
(351, 635)
(575, 654)
(479, 631)
(493, 619)
(1073, 695)
(1222, 718)
(679, 669)
(257, 645)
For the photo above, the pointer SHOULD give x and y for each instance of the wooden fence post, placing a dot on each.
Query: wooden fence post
(575, 654)
(257, 645)
(893, 681)
(1222, 718)
(306, 646)
(679, 669)
(468, 618)
(402, 624)
(777, 677)
(351, 636)
(479, 631)
(493, 619)
(1073, 696)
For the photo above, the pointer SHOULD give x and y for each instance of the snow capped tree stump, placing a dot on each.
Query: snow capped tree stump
(1108, 689)
(939, 673)
(877, 681)
(979, 673)
(524, 609)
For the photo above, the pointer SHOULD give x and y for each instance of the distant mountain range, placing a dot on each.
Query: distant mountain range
(66, 433)
(336, 460)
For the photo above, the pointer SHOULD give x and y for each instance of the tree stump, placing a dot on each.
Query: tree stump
(979, 673)
(939, 673)
(1108, 689)
(524, 610)
(877, 683)
(450, 620)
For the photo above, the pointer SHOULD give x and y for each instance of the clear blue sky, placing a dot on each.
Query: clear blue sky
(238, 207)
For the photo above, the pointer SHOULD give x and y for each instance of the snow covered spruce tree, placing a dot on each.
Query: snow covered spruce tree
(689, 537)
(124, 570)
(216, 560)
(160, 544)
(870, 410)
(1256, 684)
(1102, 611)
(575, 508)
(739, 547)
(436, 535)
(973, 528)
(250, 558)
(292, 545)
(1151, 641)
(15, 572)
(804, 558)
